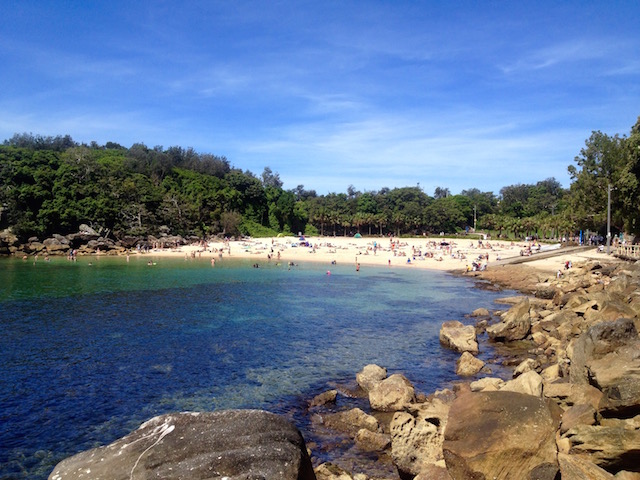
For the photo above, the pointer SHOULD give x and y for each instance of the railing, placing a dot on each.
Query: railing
(628, 251)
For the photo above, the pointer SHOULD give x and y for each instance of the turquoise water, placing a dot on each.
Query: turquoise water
(91, 349)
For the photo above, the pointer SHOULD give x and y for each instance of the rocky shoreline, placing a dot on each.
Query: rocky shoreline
(570, 411)
(87, 241)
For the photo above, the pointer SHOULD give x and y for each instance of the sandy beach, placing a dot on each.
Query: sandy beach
(429, 252)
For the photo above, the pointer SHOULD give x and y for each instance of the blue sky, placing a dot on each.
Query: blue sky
(459, 94)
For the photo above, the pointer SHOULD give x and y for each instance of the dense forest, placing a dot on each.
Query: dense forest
(53, 184)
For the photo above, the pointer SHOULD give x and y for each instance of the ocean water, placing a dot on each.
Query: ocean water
(91, 349)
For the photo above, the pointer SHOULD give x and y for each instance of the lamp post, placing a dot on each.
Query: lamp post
(474, 218)
(609, 188)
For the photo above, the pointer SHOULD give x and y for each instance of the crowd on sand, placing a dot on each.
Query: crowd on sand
(430, 253)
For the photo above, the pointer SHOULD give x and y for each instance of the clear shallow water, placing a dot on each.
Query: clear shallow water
(91, 351)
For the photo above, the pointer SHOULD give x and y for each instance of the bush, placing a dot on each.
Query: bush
(311, 231)
(252, 228)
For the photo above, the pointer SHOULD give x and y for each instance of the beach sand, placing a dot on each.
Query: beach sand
(432, 253)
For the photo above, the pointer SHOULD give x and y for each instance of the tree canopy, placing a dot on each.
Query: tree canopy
(53, 184)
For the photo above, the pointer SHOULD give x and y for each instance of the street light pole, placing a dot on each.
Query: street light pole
(474, 218)
(609, 219)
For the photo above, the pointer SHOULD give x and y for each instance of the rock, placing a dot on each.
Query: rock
(596, 342)
(480, 312)
(515, 325)
(433, 472)
(370, 376)
(468, 365)
(617, 375)
(372, 441)
(487, 384)
(551, 373)
(626, 475)
(569, 394)
(329, 471)
(350, 421)
(529, 383)
(392, 394)
(459, 337)
(574, 467)
(55, 246)
(323, 398)
(416, 437)
(8, 242)
(501, 435)
(577, 415)
(612, 447)
(87, 230)
(33, 247)
(232, 443)
(525, 366)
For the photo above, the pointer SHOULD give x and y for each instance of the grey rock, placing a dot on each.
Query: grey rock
(236, 444)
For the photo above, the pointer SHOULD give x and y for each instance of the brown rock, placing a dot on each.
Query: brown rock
(459, 337)
(372, 441)
(574, 467)
(417, 436)
(370, 376)
(322, 399)
(501, 435)
(350, 421)
(392, 394)
(515, 325)
(577, 415)
(468, 365)
(612, 447)
(529, 383)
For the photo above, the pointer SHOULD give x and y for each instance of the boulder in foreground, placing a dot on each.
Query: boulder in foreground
(236, 444)
(501, 435)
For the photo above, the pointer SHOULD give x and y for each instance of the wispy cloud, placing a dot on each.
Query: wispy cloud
(559, 54)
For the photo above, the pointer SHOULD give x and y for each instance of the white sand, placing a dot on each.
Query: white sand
(427, 252)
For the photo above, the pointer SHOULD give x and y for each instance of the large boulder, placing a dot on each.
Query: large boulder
(392, 394)
(617, 375)
(56, 245)
(236, 444)
(417, 436)
(459, 337)
(501, 435)
(515, 325)
(8, 242)
(598, 341)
